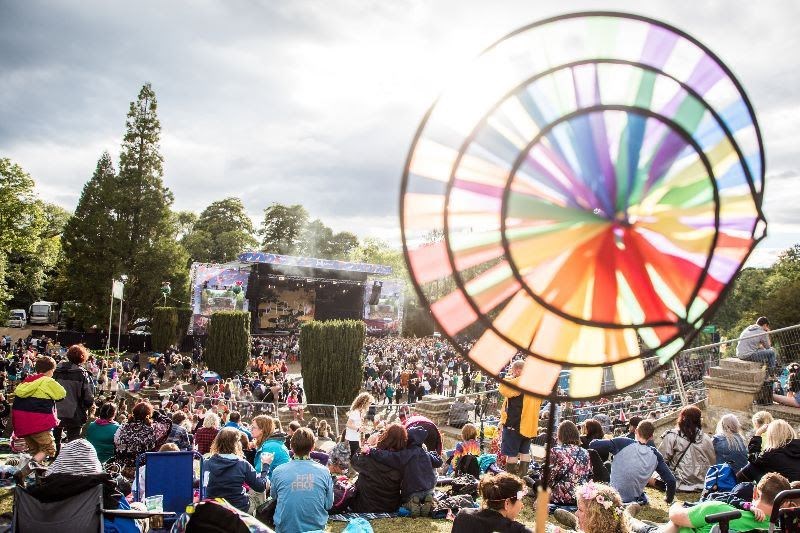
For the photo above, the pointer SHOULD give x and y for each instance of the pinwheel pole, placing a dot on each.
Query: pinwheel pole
(543, 491)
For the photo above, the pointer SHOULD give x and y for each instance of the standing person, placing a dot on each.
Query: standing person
(688, 451)
(33, 414)
(73, 411)
(520, 421)
(355, 420)
(754, 344)
(303, 488)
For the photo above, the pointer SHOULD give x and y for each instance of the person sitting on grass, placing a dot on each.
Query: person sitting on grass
(468, 445)
(688, 519)
(303, 489)
(226, 471)
(378, 485)
(634, 463)
(417, 464)
(781, 454)
(502, 499)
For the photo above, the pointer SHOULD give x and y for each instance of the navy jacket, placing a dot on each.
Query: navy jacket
(226, 477)
(416, 464)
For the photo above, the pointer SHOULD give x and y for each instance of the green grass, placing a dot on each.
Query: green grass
(655, 512)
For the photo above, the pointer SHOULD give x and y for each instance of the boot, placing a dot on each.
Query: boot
(523, 468)
(512, 468)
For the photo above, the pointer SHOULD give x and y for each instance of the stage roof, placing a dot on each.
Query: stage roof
(312, 262)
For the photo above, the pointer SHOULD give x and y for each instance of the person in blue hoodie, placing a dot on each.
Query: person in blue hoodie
(417, 465)
(226, 471)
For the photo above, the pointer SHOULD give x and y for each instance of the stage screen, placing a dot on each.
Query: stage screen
(286, 309)
(215, 288)
(386, 316)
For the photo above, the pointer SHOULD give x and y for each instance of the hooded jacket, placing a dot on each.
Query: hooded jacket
(416, 464)
(689, 461)
(80, 393)
(34, 408)
(226, 476)
(377, 486)
(274, 445)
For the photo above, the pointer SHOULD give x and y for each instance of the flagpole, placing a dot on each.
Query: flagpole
(119, 328)
(110, 314)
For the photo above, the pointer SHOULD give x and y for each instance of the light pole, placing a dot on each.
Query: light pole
(123, 279)
(165, 290)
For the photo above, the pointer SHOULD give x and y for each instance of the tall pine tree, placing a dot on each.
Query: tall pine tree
(123, 225)
(90, 242)
(147, 237)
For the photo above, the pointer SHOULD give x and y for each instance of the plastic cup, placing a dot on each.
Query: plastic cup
(266, 458)
(155, 503)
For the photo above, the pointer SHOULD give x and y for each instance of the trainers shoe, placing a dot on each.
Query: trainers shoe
(566, 519)
(414, 506)
(633, 509)
(426, 507)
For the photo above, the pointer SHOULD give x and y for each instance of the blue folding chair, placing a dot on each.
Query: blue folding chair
(171, 475)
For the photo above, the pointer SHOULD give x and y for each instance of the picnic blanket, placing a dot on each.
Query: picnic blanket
(346, 517)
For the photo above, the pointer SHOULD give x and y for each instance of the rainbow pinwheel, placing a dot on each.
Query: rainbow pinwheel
(582, 194)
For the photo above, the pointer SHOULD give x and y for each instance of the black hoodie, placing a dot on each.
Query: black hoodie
(784, 460)
(416, 464)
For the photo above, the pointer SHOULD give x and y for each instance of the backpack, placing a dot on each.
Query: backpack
(343, 492)
(213, 516)
(720, 478)
(468, 464)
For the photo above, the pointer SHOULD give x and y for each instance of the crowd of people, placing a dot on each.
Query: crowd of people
(68, 402)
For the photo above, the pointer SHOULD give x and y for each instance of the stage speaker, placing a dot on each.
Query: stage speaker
(375, 295)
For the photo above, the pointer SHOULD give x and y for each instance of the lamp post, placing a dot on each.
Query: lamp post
(165, 290)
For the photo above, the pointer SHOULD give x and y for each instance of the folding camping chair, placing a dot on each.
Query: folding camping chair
(171, 475)
(83, 512)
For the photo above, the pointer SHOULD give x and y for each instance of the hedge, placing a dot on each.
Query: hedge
(228, 344)
(331, 358)
(184, 316)
(164, 330)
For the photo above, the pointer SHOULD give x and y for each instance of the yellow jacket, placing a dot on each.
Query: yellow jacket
(531, 405)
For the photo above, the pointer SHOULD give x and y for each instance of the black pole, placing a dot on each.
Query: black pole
(550, 426)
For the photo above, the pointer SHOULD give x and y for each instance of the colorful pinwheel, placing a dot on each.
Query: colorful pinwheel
(582, 194)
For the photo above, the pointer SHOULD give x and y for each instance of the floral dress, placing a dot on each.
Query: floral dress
(569, 467)
(135, 438)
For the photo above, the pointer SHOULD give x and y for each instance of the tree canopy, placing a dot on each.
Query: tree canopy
(221, 232)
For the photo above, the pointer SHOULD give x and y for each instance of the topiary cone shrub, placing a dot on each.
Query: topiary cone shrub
(228, 343)
(164, 328)
(331, 358)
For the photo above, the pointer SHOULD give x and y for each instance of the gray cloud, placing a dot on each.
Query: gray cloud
(307, 101)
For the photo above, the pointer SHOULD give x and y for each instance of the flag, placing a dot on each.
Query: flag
(116, 289)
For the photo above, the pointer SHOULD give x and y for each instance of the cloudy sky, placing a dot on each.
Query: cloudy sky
(316, 102)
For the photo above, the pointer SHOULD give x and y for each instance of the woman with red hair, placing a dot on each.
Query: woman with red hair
(688, 451)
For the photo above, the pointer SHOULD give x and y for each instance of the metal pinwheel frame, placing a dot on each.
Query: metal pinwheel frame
(587, 188)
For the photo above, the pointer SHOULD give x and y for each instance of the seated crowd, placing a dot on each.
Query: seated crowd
(295, 479)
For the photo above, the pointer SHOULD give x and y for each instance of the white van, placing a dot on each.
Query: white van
(18, 318)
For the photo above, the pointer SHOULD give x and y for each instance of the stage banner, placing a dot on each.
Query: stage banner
(215, 288)
(313, 262)
(385, 316)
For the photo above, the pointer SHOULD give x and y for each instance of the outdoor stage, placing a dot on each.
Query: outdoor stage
(282, 292)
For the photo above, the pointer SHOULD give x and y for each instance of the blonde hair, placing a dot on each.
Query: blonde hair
(228, 440)
(469, 432)
(779, 433)
(362, 402)
(211, 420)
(730, 428)
(266, 425)
(761, 418)
(597, 518)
